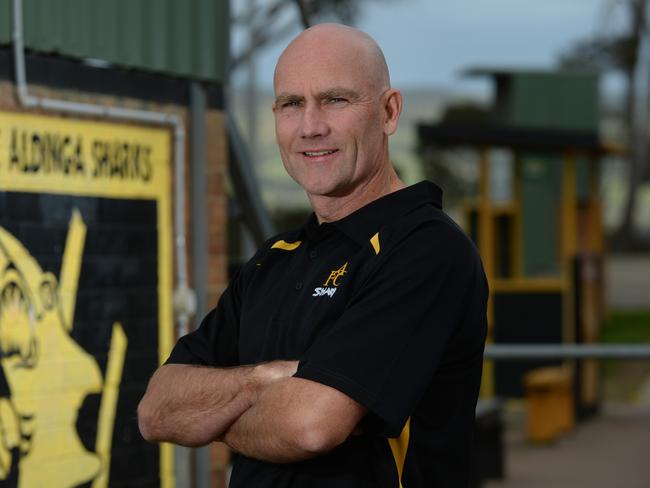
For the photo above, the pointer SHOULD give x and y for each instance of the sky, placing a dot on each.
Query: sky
(427, 43)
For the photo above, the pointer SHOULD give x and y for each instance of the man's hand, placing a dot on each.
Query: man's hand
(194, 405)
(268, 373)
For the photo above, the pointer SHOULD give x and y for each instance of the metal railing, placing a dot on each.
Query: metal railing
(505, 352)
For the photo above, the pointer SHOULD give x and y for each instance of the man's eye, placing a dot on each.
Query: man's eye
(291, 104)
(337, 100)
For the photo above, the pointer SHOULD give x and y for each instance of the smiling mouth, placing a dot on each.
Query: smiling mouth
(316, 154)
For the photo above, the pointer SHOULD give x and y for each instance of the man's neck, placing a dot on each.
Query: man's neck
(330, 209)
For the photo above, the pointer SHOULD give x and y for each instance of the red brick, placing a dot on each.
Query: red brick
(216, 212)
(7, 97)
(217, 245)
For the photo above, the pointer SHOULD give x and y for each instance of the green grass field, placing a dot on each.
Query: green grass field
(627, 327)
(623, 379)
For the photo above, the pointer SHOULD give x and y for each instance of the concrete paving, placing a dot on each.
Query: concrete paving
(611, 450)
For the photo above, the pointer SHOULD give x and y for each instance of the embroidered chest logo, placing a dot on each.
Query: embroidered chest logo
(331, 283)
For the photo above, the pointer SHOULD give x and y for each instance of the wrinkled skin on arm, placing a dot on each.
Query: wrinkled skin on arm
(260, 410)
(294, 419)
(194, 405)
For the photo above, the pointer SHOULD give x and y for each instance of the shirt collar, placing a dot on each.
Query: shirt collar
(366, 221)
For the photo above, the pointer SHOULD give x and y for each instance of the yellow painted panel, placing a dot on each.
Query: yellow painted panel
(109, 404)
(70, 268)
(57, 155)
(48, 379)
(82, 157)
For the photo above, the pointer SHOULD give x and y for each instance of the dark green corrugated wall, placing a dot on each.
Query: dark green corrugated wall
(186, 38)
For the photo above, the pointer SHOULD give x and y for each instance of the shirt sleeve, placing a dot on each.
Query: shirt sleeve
(385, 348)
(215, 341)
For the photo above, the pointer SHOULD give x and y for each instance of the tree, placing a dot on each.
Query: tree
(273, 21)
(623, 52)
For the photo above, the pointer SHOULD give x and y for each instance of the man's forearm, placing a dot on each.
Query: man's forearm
(194, 405)
(293, 420)
(265, 431)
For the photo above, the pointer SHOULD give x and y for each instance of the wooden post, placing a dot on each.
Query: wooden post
(486, 248)
(569, 244)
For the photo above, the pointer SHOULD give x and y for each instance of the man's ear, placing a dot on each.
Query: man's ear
(392, 107)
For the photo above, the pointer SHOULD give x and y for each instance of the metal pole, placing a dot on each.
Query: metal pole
(243, 178)
(566, 351)
(200, 225)
(251, 87)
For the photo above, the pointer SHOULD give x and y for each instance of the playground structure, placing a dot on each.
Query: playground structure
(542, 239)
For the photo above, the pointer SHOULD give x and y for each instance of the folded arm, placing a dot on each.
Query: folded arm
(294, 419)
(194, 405)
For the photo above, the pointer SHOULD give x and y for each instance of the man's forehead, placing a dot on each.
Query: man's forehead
(325, 65)
(318, 75)
(334, 91)
(350, 59)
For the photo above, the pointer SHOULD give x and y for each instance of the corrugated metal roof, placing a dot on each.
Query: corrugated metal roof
(188, 38)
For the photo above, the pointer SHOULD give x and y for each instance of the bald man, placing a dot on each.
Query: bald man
(346, 353)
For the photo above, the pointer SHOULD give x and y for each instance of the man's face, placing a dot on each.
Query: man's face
(328, 119)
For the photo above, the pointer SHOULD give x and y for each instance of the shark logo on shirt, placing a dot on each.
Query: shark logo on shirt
(331, 283)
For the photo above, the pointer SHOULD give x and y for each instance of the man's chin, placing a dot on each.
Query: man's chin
(327, 191)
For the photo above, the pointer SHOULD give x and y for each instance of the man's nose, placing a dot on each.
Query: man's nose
(314, 123)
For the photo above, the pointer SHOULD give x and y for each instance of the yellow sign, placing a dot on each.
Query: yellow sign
(83, 157)
(52, 169)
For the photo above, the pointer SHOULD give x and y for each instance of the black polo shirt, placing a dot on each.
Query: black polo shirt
(387, 305)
